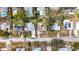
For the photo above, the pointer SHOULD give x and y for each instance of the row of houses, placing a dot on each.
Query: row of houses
(41, 10)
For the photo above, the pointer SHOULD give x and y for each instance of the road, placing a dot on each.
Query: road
(8, 40)
(73, 39)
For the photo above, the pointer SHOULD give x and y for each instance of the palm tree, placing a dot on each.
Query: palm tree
(36, 16)
(76, 18)
(10, 17)
(55, 16)
(21, 16)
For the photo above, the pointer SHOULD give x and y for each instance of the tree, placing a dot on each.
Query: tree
(56, 44)
(75, 46)
(36, 17)
(55, 16)
(76, 14)
(10, 17)
(21, 15)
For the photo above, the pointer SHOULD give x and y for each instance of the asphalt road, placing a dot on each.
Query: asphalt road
(66, 38)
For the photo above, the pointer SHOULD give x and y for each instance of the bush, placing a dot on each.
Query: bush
(2, 45)
(76, 46)
(3, 34)
(27, 35)
(56, 44)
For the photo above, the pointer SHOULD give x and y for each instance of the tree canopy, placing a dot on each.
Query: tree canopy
(57, 43)
(21, 15)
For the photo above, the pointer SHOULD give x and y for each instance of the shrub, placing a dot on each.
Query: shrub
(76, 46)
(56, 44)
(3, 34)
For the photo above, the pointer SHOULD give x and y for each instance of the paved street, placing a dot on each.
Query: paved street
(8, 41)
(72, 39)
